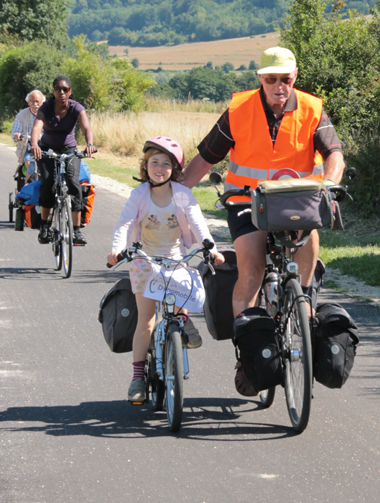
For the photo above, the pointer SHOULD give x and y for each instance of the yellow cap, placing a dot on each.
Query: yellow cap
(277, 60)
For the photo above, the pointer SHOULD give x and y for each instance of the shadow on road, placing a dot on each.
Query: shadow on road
(213, 419)
(29, 273)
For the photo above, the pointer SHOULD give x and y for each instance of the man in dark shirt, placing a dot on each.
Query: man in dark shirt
(278, 100)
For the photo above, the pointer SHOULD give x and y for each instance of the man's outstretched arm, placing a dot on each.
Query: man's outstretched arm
(195, 171)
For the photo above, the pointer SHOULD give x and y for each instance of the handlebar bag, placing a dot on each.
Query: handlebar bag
(334, 345)
(118, 316)
(255, 336)
(291, 204)
(217, 308)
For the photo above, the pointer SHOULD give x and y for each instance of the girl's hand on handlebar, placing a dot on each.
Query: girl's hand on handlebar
(218, 258)
(112, 258)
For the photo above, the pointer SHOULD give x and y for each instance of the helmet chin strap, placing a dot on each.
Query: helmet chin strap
(150, 182)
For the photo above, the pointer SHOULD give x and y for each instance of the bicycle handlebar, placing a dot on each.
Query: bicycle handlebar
(338, 193)
(54, 155)
(129, 254)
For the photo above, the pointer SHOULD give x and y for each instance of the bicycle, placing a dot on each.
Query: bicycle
(60, 220)
(167, 363)
(282, 297)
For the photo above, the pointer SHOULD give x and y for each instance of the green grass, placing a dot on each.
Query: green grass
(6, 138)
(123, 172)
(352, 254)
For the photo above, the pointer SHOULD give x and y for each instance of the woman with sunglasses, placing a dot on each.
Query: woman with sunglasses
(57, 117)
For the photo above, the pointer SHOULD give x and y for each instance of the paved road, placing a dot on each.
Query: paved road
(67, 433)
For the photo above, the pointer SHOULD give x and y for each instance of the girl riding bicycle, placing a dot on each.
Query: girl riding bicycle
(165, 217)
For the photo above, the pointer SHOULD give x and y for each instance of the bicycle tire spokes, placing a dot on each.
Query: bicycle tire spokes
(297, 356)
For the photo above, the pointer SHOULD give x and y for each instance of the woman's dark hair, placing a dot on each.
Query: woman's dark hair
(58, 79)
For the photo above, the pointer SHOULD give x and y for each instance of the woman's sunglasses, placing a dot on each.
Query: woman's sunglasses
(61, 88)
(273, 80)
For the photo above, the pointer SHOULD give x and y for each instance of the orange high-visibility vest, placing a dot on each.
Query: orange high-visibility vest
(254, 157)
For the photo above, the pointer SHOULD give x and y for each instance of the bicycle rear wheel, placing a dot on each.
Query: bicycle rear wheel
(10, 207)
(266, 397)
(297, 354)
(157, 386)
(174, 377)
(66, 231)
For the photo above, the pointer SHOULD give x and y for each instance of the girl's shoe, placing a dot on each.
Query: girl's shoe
(136, 391)
(195, 340)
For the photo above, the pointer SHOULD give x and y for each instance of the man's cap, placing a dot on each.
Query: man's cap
(277, 60)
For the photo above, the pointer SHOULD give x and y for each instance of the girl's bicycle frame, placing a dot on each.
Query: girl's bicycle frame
(167, 364)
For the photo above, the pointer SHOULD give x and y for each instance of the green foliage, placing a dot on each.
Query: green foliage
(204, 83)
(98, 83)
(166, 22)
(339, 60)
(135, 63)
(23, 68)
(160, 22)
(31, 19)
(228, 67)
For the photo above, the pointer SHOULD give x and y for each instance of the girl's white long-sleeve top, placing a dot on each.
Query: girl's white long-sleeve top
(189, 215)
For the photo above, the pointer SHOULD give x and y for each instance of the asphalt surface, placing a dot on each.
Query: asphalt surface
(67, 433)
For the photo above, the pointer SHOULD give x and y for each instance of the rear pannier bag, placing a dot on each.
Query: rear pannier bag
(334, 345)
(291, 204)
(254, 335)
(32, 217)
(88, 198)
(218, 303)
(118, 316)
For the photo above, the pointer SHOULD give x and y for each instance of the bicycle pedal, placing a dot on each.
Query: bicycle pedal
(136, 403)
(78, 244)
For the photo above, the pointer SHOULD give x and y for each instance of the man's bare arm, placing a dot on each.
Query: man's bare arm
(334, 167)
(195, 171)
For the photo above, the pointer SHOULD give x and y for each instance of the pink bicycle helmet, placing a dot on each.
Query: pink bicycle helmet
(168, 146)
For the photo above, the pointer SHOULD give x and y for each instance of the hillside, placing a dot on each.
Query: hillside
(239, 51)
(149, 23)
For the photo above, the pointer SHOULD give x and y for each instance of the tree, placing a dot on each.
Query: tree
(111, 84)
(252, 65)
(31, 19)
(228, 67)
(24, 68)
(135, 63)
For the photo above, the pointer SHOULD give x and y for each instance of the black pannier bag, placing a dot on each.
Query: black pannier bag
(334, 345)
(118, 316)
(254, 335)
(218, 303)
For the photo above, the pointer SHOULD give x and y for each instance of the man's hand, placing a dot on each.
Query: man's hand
(36, 152)
(218, 258)
(16, 136)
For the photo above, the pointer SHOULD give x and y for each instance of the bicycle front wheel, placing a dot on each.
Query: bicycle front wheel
(157, 386)
(57, 245)
(297, 355)
(66, 231)
(174, 377)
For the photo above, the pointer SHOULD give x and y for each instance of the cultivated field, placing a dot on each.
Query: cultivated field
(238, 51)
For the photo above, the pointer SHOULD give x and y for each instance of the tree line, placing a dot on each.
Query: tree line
(166, 22)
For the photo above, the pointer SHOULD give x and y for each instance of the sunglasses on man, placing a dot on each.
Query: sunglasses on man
(273, 80)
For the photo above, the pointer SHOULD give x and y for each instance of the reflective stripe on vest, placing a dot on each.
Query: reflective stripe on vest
(254, 157)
